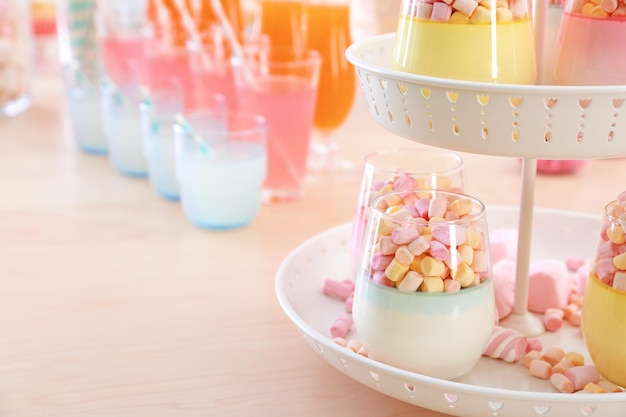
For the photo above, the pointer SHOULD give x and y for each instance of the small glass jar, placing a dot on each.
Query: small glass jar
(16, 57)
(487, 41)
(590, 47)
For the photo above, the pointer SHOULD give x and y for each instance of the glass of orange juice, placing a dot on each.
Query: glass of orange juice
(327, 24)
(279, 23)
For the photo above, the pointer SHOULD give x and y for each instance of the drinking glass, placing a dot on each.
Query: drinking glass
(16, 63)
(467, 41)
(424, 286)
(122, 127)
(82, 98)
(402, 168)
(158, 116)
(589, 50)
(121, 40)
(281, 85)
(604, 306)
(221, 167)
(327, 30)
(279, 23)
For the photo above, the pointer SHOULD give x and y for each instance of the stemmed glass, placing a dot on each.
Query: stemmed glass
(327, 30)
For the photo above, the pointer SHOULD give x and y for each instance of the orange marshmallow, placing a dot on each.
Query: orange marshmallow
(529, 357)
(411, 282)
(540, 369)
(562, 366)
(553, 355)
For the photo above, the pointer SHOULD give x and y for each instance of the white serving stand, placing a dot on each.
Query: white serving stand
(524, 121)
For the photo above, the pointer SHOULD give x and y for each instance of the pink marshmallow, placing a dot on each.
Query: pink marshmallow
(503, 244)
(444, 235)
(549, 285)
(582, 375)
(437, 207)
(441, 12)
(341, 326)
(438, 250)
(504, 286)
(553, 319)
(404, 235)
(404, 182)
(380, 262)
(422, 207)
(380, 278)
(338, 289)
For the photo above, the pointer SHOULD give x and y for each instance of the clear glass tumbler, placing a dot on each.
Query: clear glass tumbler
(16, 57)
(467, 40)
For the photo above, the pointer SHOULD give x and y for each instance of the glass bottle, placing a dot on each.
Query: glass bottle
(16, 57)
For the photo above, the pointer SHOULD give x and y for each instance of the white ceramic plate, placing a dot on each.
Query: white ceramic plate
(493, 387)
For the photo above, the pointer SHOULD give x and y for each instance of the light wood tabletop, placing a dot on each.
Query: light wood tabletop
(113, 304)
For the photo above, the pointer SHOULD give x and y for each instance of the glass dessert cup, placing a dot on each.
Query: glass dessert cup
(417, 299)
(488, 42)
(604, 307)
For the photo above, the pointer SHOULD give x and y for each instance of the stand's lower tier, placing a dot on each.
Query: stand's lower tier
(493, 387)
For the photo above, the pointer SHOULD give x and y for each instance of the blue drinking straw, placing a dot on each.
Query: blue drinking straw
(180, 119)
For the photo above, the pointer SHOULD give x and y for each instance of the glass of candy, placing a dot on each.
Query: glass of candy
(400, 169)
(589, 49)
(604, 306)
(424, 285)
(467, 40)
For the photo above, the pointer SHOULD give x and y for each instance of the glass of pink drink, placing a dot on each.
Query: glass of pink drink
(281, 85)
(211, 68)
(590, 46)
(398, 169)
(122, 43)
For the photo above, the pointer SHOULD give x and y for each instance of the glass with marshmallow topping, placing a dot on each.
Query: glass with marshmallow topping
(424, 286)
(400, 169)
(590, 47)
(485, 41)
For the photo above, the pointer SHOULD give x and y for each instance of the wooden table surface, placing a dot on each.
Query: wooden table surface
(113, 304)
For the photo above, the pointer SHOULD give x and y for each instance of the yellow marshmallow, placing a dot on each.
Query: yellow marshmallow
(464, 274)
(432, 284)
(395, 271)
(432, 267)
(473, 238)
(481, 15)
(385, 227)
(462, 206)
(615, 234)
(620, 261)
(576, 358)
(467, 253)
(416, 265)
(593, 388)
(393, 209)
(503, 15)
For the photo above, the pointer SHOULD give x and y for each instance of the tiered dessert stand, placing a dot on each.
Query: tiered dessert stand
(523, 121)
